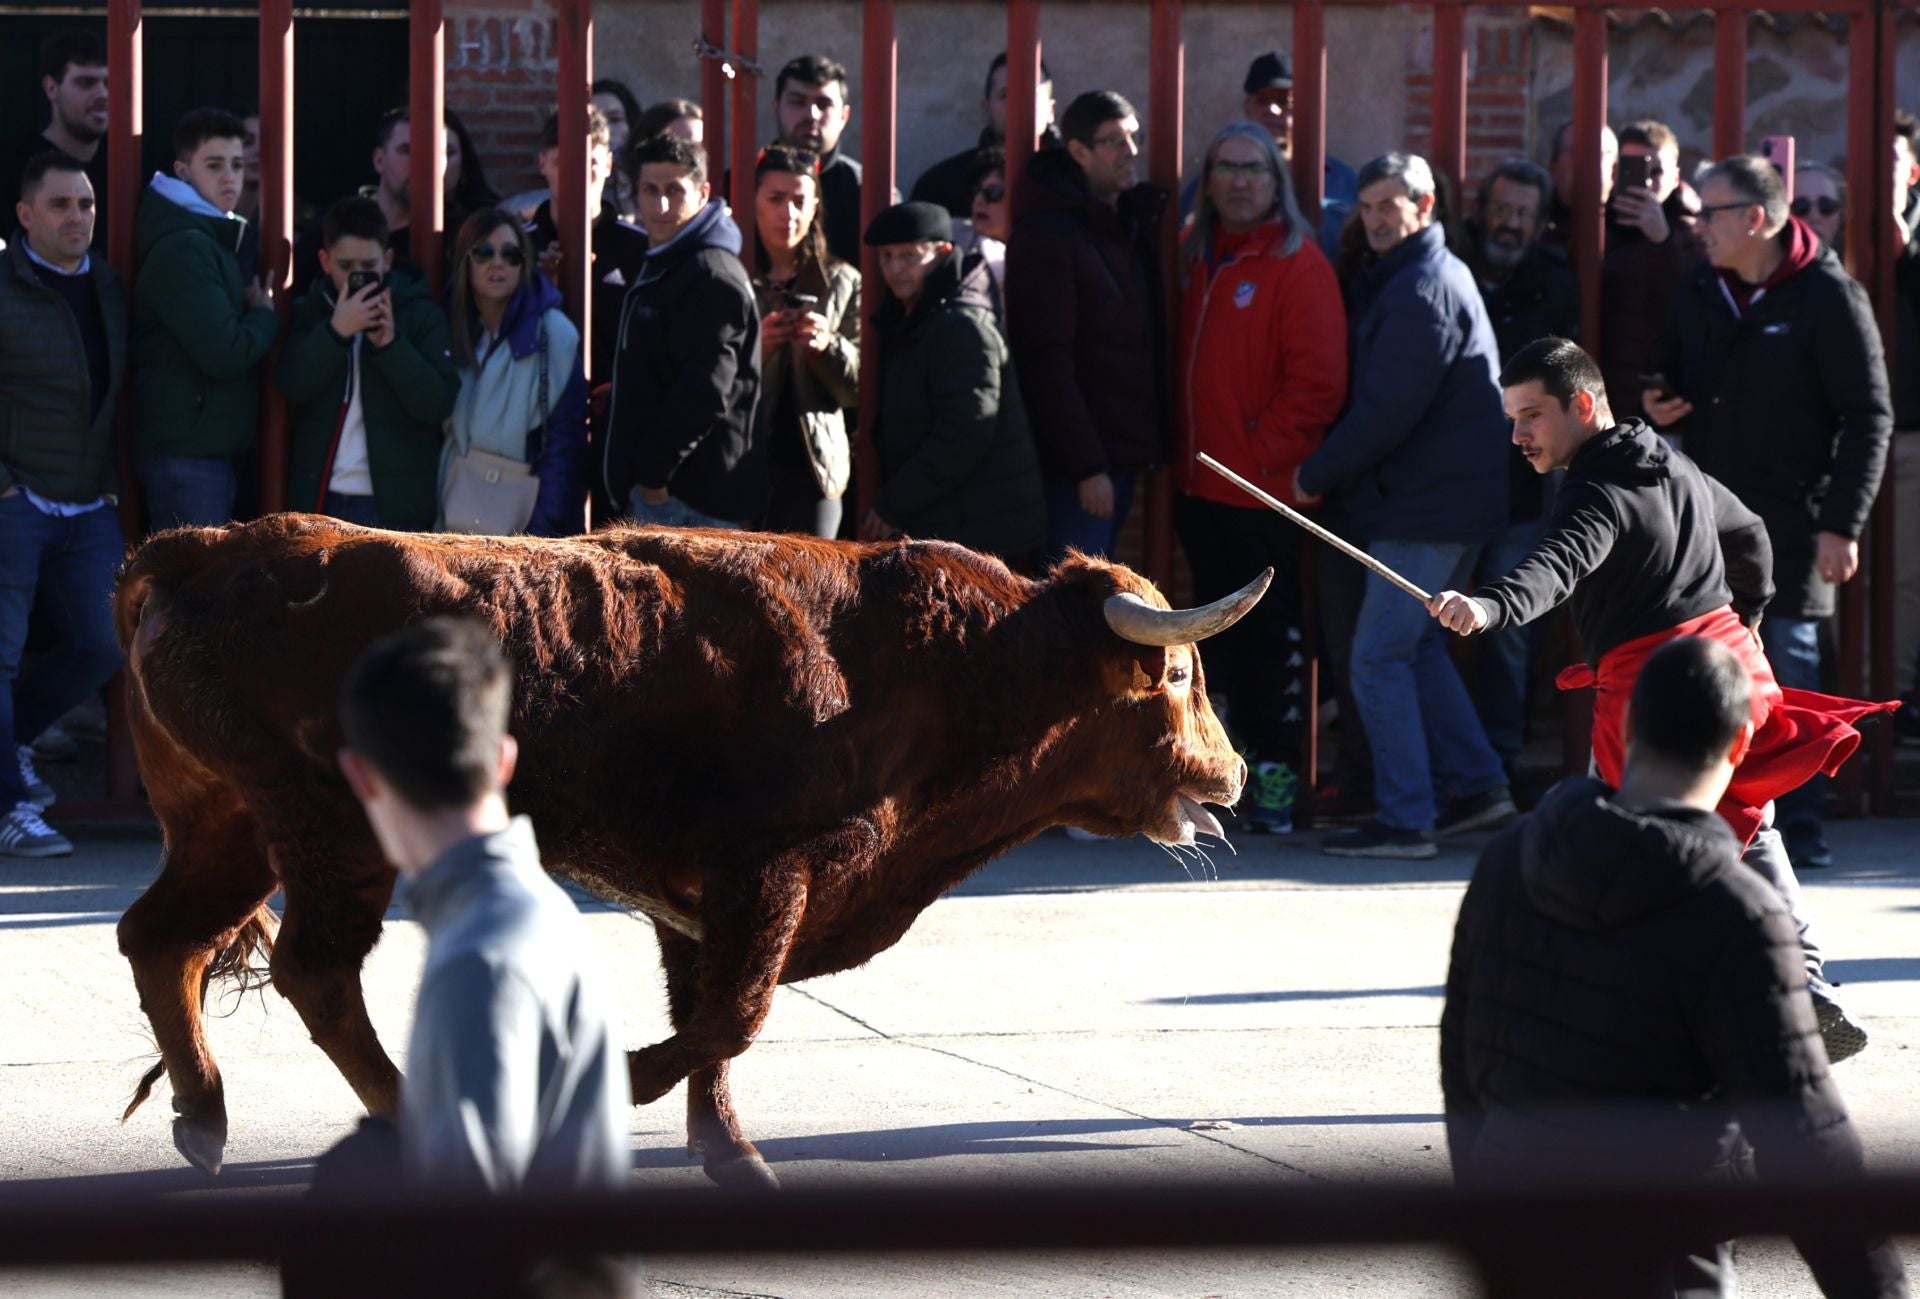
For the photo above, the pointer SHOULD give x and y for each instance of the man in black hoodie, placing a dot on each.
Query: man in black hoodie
(680, 445)
(1649, 548)
(1624, 1000)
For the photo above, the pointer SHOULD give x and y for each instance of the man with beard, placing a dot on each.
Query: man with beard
(73, 76)
(810, 104)
(1530, 292)
(1650, 248)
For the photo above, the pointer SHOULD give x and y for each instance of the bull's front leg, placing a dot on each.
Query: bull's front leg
(719, 993)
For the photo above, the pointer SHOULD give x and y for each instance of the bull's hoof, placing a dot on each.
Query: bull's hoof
(204, 1147)
(742, 1173)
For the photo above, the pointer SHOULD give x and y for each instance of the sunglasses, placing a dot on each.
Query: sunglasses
(508, 253)
(991, 193)
(1805, 207)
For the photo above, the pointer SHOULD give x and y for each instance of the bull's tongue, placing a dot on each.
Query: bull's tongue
(1204, 822)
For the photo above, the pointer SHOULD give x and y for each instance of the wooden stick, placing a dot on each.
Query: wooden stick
(1351, 551)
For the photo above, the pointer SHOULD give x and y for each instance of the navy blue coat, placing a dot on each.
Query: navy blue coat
(1421, 452)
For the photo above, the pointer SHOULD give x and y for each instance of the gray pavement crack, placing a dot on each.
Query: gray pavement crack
(1170, 1125)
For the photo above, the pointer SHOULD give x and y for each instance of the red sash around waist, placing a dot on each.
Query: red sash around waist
(1797, 733)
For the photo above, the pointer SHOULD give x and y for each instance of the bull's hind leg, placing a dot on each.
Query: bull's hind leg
(713, 1128)
(719, 1000)
(334, 907)
(203, 916)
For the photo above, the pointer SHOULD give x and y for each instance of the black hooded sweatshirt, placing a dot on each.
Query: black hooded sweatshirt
(1641, 540)
(1626, 999)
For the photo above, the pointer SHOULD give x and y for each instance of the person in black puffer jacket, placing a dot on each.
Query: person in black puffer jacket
(1625, 1000)
(956, 460)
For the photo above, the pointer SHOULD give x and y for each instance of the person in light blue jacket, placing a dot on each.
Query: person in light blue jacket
(523, 387)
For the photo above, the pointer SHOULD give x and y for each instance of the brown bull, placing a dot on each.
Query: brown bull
(779, 749)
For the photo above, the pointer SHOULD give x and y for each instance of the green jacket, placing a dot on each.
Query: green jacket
(407, 391)
(196, 344)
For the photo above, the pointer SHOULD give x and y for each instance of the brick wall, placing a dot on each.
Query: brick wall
(1499, 62)
(502, 72)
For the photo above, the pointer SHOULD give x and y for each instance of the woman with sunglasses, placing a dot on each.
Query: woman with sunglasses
(989, 223)
(1820, 199)
(523, 390)
(809, 345)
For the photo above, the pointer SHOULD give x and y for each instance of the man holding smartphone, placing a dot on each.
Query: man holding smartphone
(1650, 248)
(368, 380)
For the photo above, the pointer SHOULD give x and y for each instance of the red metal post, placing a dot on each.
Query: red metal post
(1166, 74)
(713, 83)
(574, 32)
(276, 231)
(746, 111)
(426, 113)
(125, 131)
(1310, 104)
(1450, 92)
(879, 67)
(1023, 82)
(1729, 82)
(1883, 558)
(1589, 119)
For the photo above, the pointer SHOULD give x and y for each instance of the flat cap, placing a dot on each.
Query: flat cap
(1271, 71)
(911, 223)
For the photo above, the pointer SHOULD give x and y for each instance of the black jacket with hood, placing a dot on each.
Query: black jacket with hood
(1627, 1000)
(956, 458)
(686, 377)
(1641, 541)
(1790, 404)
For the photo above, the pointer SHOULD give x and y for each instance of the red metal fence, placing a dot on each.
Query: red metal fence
(1871, 101)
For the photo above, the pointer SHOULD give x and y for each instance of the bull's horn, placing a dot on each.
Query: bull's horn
(1133, 619)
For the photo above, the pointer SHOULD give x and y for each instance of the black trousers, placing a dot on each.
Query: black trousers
(1260, 663)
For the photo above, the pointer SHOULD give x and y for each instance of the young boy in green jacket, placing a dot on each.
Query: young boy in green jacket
(369, 381)
(200, 330)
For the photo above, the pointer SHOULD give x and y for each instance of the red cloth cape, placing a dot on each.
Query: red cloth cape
(1797, 733)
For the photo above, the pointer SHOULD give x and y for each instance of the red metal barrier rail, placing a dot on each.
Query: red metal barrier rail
(1871, 100)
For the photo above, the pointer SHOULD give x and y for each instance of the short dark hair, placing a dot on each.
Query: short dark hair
(598, 132)
(383, 131)
(669, 149)
(815, 70)
(427, 707)
(1089, 112)
(622, 92)
(354, 217)
(660, 116)
(1521, 171)
(1000, 61)
(1756, 181)
(1651, 134)
(1562, 366)
(1907, 127)
(64, 50)
(204, 124)
(40, 164)
(986, 160)
(1691, 701)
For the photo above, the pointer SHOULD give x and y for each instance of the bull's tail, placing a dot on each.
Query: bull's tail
(244, 963)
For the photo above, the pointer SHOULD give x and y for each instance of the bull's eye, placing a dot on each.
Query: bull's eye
(1179, 674)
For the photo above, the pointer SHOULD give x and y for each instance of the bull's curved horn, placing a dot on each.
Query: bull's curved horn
(1133, 619)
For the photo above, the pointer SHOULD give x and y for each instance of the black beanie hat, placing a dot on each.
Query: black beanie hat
(911, 223)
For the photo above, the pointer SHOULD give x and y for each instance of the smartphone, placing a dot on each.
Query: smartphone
(358, 280)
(1778, 150)
(1636, 170)
(802, 302)
(1656, 383)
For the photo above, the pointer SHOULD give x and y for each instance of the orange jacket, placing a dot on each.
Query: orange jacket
(1263, 363)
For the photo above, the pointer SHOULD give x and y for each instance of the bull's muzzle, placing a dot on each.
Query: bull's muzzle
(1133, 619)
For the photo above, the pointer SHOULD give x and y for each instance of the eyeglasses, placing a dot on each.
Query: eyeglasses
(1805, 207)
(1711, 208)
(991, 193)
(1247, 171)
(508, 253)
(1499, 214)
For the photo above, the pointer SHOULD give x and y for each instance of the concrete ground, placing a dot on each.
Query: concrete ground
(1070, 1012)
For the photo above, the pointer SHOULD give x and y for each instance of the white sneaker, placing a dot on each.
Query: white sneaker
(39, 792)
(24, 834)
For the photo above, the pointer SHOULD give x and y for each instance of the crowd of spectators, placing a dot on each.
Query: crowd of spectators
(1030, 376)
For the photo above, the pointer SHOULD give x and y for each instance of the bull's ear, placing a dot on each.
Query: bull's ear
(1147, 668)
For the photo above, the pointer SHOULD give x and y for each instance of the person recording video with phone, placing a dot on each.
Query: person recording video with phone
(367, 379)
(1650, 247)
(809, 345)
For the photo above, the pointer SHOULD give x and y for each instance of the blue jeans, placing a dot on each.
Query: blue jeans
(675, 513)
(351, 509)
(1506, 656)
(1793, 649)
(186, 491)
(69, 564)
(1069, 526)
(1426, 739)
